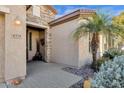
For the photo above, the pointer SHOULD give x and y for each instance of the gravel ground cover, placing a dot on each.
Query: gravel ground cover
(84, 71)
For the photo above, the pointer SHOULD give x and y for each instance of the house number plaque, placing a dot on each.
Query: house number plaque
(16, 36)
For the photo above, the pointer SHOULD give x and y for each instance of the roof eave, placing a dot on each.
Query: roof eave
(71, 16)
(52, 9)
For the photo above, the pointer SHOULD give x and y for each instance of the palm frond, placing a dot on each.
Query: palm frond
(99, 23)
(80, 32)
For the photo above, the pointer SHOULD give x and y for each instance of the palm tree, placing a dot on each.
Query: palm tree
(100, 23)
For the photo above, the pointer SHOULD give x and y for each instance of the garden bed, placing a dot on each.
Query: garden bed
(84, 71)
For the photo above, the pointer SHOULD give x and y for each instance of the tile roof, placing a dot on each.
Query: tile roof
(72, 16)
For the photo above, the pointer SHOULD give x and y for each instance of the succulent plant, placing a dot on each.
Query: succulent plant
(110, 75)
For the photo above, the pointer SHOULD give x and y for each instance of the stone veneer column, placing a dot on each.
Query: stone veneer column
(48, 44)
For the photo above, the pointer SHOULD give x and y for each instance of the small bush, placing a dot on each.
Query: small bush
(111, 53)
(110, 75)
(100, 61)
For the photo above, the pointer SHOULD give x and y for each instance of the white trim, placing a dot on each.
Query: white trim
(36, 25)
(4, 9)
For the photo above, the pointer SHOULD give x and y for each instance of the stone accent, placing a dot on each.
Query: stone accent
(44, 18)
(48, 45)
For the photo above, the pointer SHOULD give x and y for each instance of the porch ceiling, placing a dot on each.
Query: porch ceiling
(35, 28)
(35, 25)
(4, 9)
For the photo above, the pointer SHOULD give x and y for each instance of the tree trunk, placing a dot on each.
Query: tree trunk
(94, 47)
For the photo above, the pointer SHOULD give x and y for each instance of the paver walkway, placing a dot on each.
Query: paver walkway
(47, 75)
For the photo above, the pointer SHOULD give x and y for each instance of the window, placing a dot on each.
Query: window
(36, 11)
(30, 41)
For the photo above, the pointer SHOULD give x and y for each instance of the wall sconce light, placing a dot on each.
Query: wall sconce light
(17, 21)
(122, 48)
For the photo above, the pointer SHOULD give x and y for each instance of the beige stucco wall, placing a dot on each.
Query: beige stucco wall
(15, 46)
(103, 44)
(85, 56)
(2, 46)
(65, 49)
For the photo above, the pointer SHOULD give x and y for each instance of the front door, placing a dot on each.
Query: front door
(34, 36)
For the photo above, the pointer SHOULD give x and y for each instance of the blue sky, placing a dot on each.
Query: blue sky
(65, 9)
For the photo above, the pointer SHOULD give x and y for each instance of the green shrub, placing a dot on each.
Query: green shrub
(110, 75)
(100, 61)
(111, 53)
